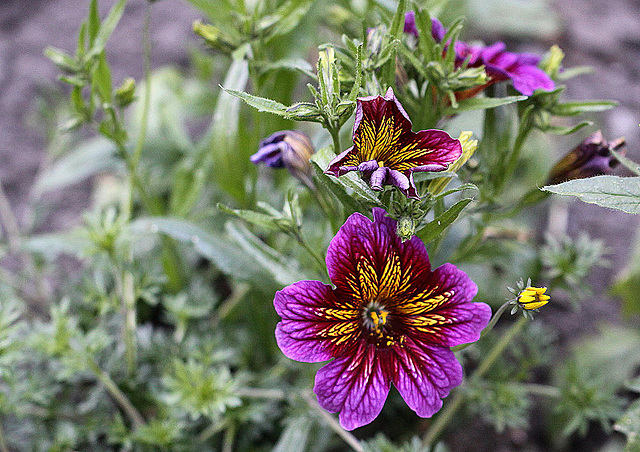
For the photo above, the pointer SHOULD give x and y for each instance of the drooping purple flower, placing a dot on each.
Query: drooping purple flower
(289, 149)
(521, 68)
(437, 29)
(590, 158)
(387, 152)
(389, 319)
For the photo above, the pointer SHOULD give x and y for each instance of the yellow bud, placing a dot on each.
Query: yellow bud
(533, 298)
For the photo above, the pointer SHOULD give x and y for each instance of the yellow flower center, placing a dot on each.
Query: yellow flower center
(375, 317)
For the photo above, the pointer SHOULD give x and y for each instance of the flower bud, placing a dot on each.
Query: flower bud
(406, 228)
(533, 298)
(125, 93)
(289, 149)
(590, 158)
(215, 37)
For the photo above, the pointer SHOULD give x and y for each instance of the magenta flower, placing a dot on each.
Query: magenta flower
(521, 68)
(387, 152)
(437, 29)
(390, 318)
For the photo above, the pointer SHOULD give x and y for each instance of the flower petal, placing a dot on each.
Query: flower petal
(315, 325)
(355, 385)
(368, 260)
(424, 374)
(527, 79)
(426, 150)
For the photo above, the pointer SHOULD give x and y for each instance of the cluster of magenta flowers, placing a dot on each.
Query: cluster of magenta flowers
(521, 68)
(389, 319)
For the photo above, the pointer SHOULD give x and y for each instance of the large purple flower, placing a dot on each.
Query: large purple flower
(521, 68)
(387, 152)
(390, 318)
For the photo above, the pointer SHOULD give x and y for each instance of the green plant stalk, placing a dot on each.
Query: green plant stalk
(452, 407)
(120, 397)
(332, 423)
(334, 130)
(317, 259)
(137, 152)
(130, 321)
(523, 132)
(489, 326)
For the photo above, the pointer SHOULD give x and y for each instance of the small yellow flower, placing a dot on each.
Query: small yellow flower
(533, 298)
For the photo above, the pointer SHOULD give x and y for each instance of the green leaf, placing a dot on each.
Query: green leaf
(54, 244)
(559, 130)
(294, 64)
(93, 22)
(614, 192)
(102, 79)
(256, 218)
(285, 19)
(260, 103)
(629, 424)
(62, 59)
(577, 108)
(275, 263)
(433, 229)
(223, 253)
(90, 158)
(483, 103)
(627, 162)
(107, 28)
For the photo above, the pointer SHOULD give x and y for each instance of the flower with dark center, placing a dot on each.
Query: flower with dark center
(389, 319)
(592, 157)
(289, 149)
(387, 152)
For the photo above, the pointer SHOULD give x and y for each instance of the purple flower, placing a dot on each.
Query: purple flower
(390, 318)
(289, 149)
(590, 158)
(387, 152)
(437, 29)
(521, 68)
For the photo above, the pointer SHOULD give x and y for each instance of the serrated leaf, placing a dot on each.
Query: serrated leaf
(89, 158)
(614, 192)
(260, 103)
(483, 103)
(433, 229)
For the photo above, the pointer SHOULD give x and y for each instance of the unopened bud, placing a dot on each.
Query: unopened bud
(289, 149)
(125, 94)
(406, 228)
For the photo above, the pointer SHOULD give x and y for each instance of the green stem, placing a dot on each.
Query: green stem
(229, 438)
(119, 396)
(541, 390)
(130, 320)
(318, 260)
(454, 404)
(257, 393)
(137, 153)
(335, 135)
(332, 423)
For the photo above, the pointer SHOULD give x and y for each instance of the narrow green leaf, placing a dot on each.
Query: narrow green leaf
(256, 218)
(559, 130)
(275, 263)
(397, 25)
(294, 64)
(355, 90)
(93, 23)
(614, 192)
(295, 436)
(89, 158)
(579, 107)
(107, 28)
(260, 103)
(433, 229)
(483, 103)
(338, 190)
(223, 253)
(52, 245)
(62, 59)
(627, 162)
(102, 79)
